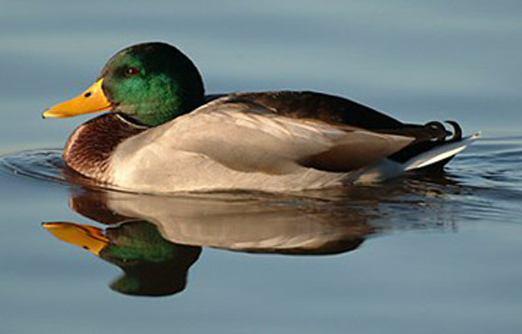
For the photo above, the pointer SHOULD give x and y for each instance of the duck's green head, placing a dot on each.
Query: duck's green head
(151, 83)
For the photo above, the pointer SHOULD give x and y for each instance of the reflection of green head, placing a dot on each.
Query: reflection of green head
(152, 265)
(151, 280)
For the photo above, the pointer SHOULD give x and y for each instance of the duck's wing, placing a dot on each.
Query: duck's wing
(245, 135)
(339, 111)
(318, 106)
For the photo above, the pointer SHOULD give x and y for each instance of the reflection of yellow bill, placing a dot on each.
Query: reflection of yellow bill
(92, 100)
(85, 236)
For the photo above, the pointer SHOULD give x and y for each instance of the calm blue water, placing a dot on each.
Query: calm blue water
(423, 255)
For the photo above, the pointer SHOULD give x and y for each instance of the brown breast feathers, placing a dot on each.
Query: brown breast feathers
(90, 146)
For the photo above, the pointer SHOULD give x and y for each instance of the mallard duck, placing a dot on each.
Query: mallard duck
(163, 134)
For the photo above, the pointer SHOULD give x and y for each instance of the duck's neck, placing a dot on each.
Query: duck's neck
(90, 147)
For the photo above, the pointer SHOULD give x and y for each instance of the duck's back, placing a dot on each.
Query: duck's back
(318, 106)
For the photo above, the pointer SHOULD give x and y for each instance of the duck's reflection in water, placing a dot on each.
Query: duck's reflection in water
(155, 240)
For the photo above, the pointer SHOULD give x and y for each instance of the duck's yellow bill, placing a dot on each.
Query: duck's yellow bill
(85, 236)
(92, 100)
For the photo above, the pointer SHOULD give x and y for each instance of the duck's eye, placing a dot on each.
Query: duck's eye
(130, 71)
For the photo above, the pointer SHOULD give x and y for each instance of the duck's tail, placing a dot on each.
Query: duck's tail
(424, 156)
(440, 155)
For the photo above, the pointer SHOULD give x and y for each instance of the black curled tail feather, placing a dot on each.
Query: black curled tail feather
(436, 130)
(457, 130)
(427, 136)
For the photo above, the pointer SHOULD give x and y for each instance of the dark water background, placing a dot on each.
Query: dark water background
(419, 255)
